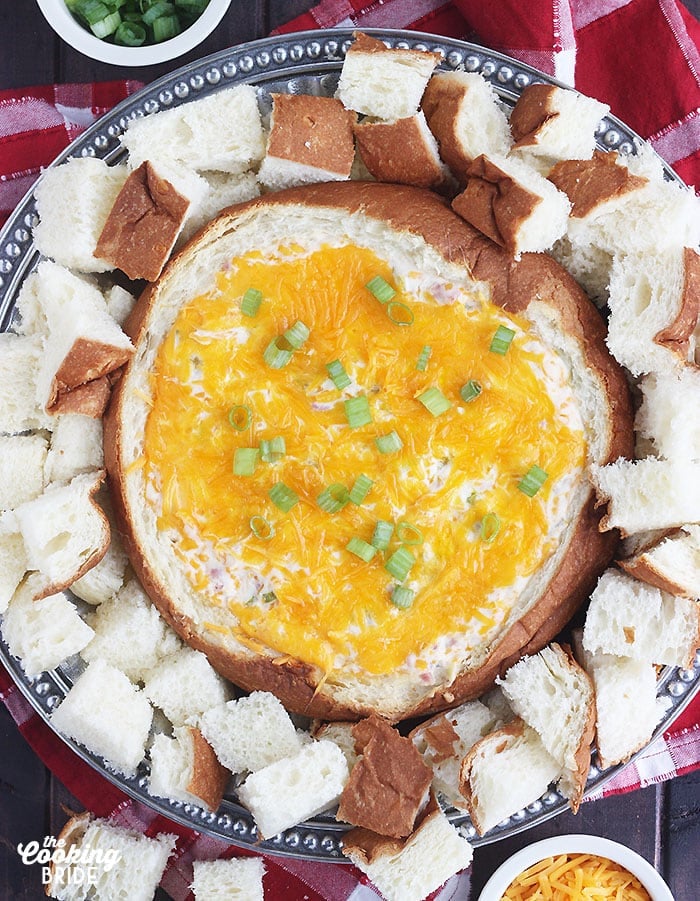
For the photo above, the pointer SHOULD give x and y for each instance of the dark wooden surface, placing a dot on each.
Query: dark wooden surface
(662, 822)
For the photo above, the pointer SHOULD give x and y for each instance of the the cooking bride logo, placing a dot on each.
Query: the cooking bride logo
(61, 866)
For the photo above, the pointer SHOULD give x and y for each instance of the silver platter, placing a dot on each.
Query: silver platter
(301, 63)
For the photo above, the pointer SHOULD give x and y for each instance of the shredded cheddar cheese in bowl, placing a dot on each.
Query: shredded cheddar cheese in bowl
(576, 876)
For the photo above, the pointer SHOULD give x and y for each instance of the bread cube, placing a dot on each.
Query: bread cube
(236, 879)
(22, 459)
(670, 562)
(20, 408)
(223, 189)
(185, 768)
(662, 418)
(184, 685)
(13, 558)
(76, 447)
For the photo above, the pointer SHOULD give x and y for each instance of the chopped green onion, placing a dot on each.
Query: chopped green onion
(361, 549)
(130, 34)
(407, 533)
(296, 335)
(262, 528)
(251, 302)
(269, 597)
(158, 9)
(275, 356)
(472, 499)
(470, 391)
(245, 460)
(283, 497)
(357, 411)
(532, 481)
(424, 356)
(273, 449)
(380, 288)
(239, 417)
(399, 313)
(501, 340)
(106, 26)
(490, 527)
(165, 27)
(402, 597)
(434, 401)
(333, 498)
(387, 444)
(400, 563)
(92, 11)
(381, 536)
(360, 489)
(338, 374)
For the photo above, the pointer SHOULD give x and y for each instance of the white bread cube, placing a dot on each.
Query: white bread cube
(221, 132)
(413, 869)
(29, 309)
(662, 418)
(588, 264)
(289, 791)
(73, 201)
(486, 777)
(382, 82)
(22, 459)
(185, 768)
(648, 494)
(76, 447)
(653, 308)
(629, 618)
(106, 578)
(223, 189)
(511, 203)
(130, 633)
(119, 303)
(109, 715)
(464, 114)
(64, 530)
(236, 879)
(43, 633)
(127, 863)
(250, 733)
(555, 697)
(184, 685)
(670, 562)
(20, 409)
(84, 343)
(13, 558)
(341, 733)
(551, 123)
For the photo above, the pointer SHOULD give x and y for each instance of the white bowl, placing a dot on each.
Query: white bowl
(576, 844)
(59, 18)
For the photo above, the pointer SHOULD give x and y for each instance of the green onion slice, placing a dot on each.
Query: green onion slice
(402, 597)
(361, 549)
(333, 498)
(269, 597)
(490, 527)
(434, 401)
(400, 563)
(297, 335)
(380, 288)
(273, 449)
(424, 356)
(239, 417)
(357, 411)
(337, 372)
(262, 528)
(470, 390)
(130, 34)
(532, 481)
(106, 26)
(275, 356)
(250, 304)
(283, 497)
(399, 313)
(407, 533)
(381, 536)
(245, 459)
(165, 27)
(387, 444)
(501, 340)
(360, 489)
(158, 9)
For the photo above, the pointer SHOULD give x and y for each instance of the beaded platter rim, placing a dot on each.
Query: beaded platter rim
(303, 62)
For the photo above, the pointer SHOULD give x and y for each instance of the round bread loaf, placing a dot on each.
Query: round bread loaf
(269, 562)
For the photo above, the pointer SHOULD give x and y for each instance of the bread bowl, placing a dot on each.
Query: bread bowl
(379, 225)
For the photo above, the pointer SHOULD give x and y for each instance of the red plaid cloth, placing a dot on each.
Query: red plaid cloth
(639, 56)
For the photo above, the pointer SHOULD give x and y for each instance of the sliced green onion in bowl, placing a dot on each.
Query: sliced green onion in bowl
(434, 401)
(250, 303)
(383, 530)
(402, 597)
(333, 498)
(388, 444)
(357, 411)
(273, 449)
(490, 527)
(532, 481)
(283, 497)
(165, 27)
(380, 288)
(360, 548)
(338, 375)
(262, 528)
(400, 563)
(107, 26)
(360, 489)
(245, 459)
(470, 391)
(501, 340)
(239, 417)
(156, 10)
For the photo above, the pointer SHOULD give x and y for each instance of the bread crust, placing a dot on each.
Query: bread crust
(514, 285)
(208, 778)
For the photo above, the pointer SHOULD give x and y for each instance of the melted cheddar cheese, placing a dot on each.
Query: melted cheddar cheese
(301, 592)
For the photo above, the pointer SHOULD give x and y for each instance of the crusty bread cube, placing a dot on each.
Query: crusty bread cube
(223, 189)
(384, 82)
(43, 633)
(670, 562)
(235, 879)
(184, 768)
(106, 713)
(184, 685)
(273, 794)
(250, 733)
(76, 447)
(22, 459)
(73, 201)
